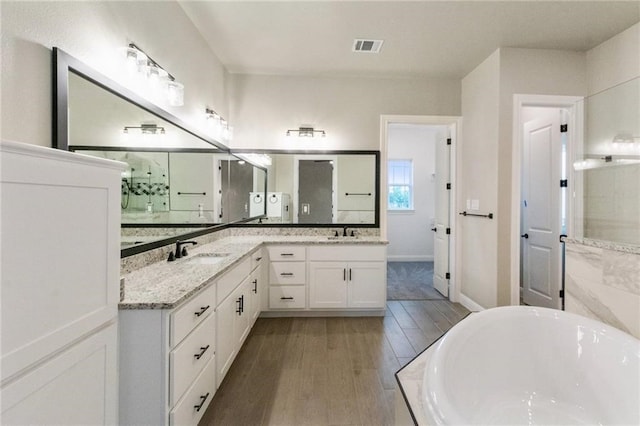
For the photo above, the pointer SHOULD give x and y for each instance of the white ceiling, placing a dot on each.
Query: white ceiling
(428, 38)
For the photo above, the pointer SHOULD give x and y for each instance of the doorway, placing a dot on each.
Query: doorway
(420, 232)
(544, 131)
(314, 191)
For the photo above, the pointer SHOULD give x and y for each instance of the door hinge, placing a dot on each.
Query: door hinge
(447, 276)
(563, 183)
(564, 128)
(561, 293)
(448, 186)
(448, 231)
(448, 141)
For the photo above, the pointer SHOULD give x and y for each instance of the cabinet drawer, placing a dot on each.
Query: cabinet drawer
(190, 357)
(283, 273)
(192, 313)
(342, 253)
(232, 279)
(192, 406)
(286, 253)
(257, 258)
(287, 297)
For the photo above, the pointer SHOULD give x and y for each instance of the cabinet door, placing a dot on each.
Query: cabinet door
(242, 323)
(256, 287)
(367, 284)
(327, 285)
(225, 342)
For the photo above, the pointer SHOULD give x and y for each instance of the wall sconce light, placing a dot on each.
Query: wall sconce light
(221, 128)
(306, 132)
(160, 82)
(145, 129)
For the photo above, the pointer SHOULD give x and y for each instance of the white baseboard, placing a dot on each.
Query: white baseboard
(409, 258)
(469, 304)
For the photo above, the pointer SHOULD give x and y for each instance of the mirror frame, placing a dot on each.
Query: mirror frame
(62, 65)
(376, 222)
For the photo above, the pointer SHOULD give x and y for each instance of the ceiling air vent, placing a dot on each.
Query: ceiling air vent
(367, 46)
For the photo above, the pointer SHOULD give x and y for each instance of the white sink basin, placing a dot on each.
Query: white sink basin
(527, 365)
(208, 258)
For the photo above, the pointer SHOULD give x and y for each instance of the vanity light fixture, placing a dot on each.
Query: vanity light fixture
(221, 127)
(146, 129)
(306, 132)
(159, 80)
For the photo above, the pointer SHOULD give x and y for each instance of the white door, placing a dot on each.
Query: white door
(443, 191)
(541, 248)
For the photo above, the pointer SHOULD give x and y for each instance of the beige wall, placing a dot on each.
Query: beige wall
(347, 108)
(94, 32)
(486, 157)
(615, 61)
(478, 179)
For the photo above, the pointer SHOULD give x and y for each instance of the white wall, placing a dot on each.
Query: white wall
(94, 32)
(485, 161)
(478, 179)
(615, 61)
(409, 233)
(347, 108)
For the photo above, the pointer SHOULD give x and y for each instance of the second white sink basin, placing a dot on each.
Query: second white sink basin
(208, 258)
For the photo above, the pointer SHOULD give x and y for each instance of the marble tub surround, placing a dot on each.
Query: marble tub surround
(609, 245)
(410, 386)
(604, 284)
(164, 285)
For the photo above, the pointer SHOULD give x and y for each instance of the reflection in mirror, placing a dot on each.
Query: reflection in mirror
(174, 184)
(338, 187)
(608, 166)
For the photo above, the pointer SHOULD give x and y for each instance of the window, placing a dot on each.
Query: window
(400, 185)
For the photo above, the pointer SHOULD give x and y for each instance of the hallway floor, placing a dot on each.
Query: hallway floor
(411, 281)
(321, 371)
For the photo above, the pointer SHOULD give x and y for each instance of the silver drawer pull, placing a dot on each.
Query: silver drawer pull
(286, 298)
(202, 310)
(203, 398)
(202, 351)
(286, 274)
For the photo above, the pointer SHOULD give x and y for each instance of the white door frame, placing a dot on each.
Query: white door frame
(575, 108)
(430, 120)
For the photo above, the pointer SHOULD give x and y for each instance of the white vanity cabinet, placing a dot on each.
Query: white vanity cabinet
(167, 362)
(60, 227)
(347, 277)
(287, 277)
(234, 315)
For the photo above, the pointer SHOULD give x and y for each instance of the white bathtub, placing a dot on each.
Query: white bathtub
(526, 365)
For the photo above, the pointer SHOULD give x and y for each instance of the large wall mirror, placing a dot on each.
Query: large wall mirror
(320, 188)
(608, 166)
(179, 183)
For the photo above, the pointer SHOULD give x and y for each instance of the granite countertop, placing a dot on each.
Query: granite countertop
(164, 285)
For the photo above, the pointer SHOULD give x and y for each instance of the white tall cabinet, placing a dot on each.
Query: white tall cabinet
(60, 253)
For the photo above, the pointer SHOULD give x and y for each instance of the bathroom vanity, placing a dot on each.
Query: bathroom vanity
(182, 323)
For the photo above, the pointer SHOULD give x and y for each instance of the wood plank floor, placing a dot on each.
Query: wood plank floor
(327, 371)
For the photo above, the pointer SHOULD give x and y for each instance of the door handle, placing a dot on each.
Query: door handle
(525, 236)
(434, 229)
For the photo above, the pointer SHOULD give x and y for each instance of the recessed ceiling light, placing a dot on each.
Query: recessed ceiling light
(367, 46)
